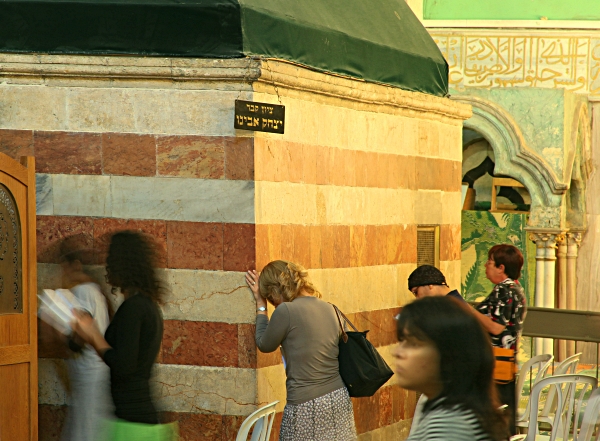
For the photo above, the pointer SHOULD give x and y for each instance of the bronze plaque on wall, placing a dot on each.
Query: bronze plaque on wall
(259, 117)
(11, 270)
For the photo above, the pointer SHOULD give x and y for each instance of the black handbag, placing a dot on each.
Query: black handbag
(363, 370)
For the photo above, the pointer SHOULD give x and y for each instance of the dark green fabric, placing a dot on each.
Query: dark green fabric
(377, 41)
(198, 28)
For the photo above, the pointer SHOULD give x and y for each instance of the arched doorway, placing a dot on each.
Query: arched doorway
(485, 224)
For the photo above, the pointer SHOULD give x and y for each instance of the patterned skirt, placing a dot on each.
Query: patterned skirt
(329, 417)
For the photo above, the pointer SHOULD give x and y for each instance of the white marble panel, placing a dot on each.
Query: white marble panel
(81, 195)
(200, 296)
(429, 208)
(193, 295)
(207, 112)
(199, 200)
(451, 269)
(451, 207)
(100, 110)
(118, 109)
(202, 389)
(27, 107)
(44, 203)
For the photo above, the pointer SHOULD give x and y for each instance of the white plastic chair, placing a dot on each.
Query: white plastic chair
(570, 392)
(591, 417)
(568, 365)
(565, 367)
(262, 420)
(541, 363)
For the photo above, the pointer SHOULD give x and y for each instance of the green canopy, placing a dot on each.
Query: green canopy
(377, 41)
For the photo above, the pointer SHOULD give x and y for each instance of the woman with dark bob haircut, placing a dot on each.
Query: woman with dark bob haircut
(503, 313)
(132, 341)
(445, 354)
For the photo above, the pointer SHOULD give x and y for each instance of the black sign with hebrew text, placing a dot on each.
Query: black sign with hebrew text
(260, 117)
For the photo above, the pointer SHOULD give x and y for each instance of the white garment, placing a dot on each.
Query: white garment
(90, 400)
(439, 423)
(418, 414)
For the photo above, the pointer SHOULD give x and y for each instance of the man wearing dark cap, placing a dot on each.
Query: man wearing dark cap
(427, 281)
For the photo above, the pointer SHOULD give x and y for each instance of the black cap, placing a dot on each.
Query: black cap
(426, 275)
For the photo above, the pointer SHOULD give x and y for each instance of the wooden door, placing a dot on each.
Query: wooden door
(18, 301)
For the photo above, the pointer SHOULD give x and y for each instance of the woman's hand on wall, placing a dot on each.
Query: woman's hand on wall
(252, 281)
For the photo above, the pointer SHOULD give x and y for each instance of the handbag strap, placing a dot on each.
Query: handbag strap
(338, 313)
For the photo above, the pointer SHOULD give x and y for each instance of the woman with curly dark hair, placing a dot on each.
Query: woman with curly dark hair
(445, 354)
(132, 341)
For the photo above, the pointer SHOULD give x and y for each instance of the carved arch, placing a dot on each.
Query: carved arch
(516, 160)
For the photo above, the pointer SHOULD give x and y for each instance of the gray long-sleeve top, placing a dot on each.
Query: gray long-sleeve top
(308, 331)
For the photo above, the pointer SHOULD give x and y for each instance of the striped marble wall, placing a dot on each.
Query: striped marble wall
(341, 192)
(195, 196)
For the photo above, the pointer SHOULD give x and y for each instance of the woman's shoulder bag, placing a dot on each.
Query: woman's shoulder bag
(363, 370)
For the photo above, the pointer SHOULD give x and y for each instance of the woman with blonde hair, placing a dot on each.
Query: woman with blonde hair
(318, 404)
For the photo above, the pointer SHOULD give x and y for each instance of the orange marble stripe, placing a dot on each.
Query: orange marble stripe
(450, 242)
(339, 246)
(389, 405)
(279, 161)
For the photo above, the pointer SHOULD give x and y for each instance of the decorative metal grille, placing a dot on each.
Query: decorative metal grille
(11, 270)
(428, 245)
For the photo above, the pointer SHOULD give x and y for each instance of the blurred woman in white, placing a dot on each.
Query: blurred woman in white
(90, 401)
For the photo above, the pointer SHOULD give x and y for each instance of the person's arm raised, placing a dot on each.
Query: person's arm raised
(85, 327)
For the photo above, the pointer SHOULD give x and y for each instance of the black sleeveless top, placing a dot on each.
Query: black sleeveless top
(135, 335)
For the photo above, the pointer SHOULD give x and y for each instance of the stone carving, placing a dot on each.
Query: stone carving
(574, 238)
(548, 59)
(545, 217)
(11, 298)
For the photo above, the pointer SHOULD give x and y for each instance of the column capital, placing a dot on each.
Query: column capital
(574, 237)
(546, 237)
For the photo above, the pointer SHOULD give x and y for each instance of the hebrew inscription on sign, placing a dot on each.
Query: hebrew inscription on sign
(259, 117)
(11, 271)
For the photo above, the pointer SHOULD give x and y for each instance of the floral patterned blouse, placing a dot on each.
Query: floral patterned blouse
(506, 305)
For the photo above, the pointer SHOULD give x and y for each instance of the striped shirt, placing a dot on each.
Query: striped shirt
(448, 424)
